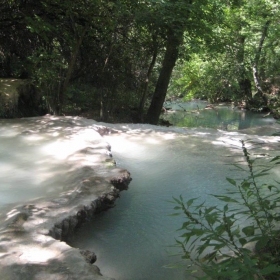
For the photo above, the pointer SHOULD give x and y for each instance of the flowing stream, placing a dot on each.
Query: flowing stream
(133, 241)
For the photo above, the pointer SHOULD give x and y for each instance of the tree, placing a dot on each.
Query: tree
(180, 19)
(174, 28)
(236, 62)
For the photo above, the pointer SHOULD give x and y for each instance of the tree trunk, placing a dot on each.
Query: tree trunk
(243, 81)
(174, 39)
(146, 84)
(69, 72)
(256, 62)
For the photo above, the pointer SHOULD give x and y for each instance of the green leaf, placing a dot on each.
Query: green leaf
(226, 208)
(210, 209)
(262, 242)
(239, 167)
(275, 158)
(220, 229)
(174, 214)
(190, 202)
(231, 181)
(265, 170)
(250, 193)
(242, 241)
(261, 175)
(249, 230)
(225, 198)
(211, 218)
(177, 200)
(209, 257)
(270, 187)
(245, 185)
(272, 268)
(198, 232)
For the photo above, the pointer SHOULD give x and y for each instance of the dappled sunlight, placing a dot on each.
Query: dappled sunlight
(62, 158)
(42, 151)
(34, 138)
(61, 149)
(164, 163)
(43, 258)
(46, 149)
(227, 141)
(138, 140)
(12, 213)
(37, 255)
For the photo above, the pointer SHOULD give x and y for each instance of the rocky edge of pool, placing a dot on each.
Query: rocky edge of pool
(33, 235)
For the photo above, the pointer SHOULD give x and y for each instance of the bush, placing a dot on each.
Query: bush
(241, 240)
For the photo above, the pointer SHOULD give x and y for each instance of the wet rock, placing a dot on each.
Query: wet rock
(89, 256)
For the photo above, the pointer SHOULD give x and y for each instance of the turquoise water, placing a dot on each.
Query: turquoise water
(134, 240)
(218, 116)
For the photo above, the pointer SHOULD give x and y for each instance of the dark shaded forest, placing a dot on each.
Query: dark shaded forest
(121, 60)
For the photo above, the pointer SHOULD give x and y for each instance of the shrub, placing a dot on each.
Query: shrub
(240, 239)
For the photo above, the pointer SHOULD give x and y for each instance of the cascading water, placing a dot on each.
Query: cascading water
(134, 240)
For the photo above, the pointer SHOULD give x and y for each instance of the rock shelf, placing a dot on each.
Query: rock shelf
(33, 235)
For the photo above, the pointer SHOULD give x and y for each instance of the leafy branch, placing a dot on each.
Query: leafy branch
(241, 240)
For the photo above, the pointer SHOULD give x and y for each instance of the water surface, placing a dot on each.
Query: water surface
(199, 113)
(133, 241)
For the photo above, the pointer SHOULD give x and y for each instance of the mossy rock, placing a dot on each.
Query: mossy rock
(9, 96)
(19, 98)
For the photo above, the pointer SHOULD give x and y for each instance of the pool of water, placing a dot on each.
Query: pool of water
(134, 240)
(199, 113)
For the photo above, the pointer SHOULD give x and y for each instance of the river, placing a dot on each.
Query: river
(133, 241)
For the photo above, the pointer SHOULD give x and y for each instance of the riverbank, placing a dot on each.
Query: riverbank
(33, 234)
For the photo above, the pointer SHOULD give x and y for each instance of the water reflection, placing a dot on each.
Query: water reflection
(220, 116)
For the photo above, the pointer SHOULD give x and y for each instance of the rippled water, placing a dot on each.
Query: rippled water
(133, 241)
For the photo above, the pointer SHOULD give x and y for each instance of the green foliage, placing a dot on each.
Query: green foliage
(219, 66)
(113, 44)
(205, 78)
(241, 239)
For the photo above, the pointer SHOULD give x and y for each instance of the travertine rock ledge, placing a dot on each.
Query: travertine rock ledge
(32, 235)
